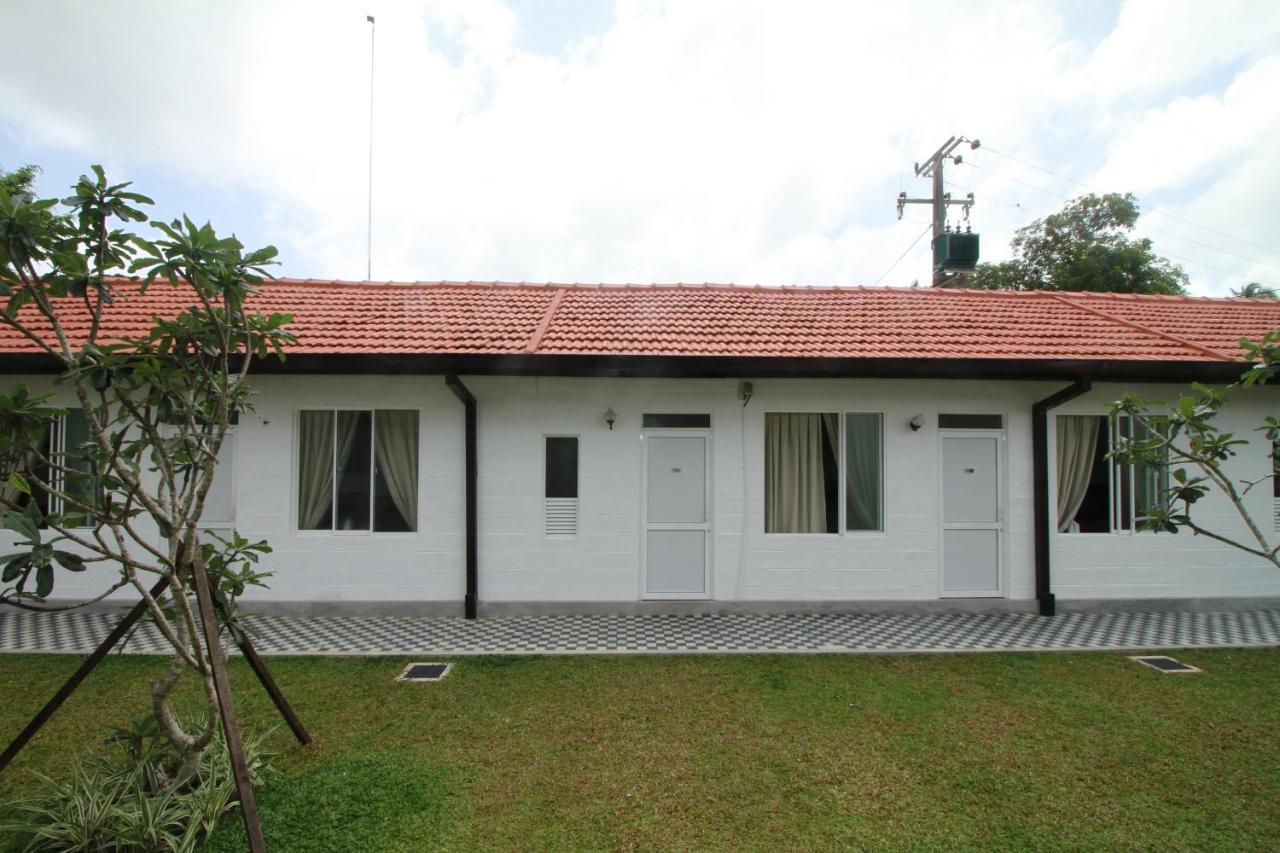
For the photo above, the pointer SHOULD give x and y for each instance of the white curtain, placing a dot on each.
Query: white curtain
(1077, 448)
(315, 468)
(351, 517)
(795, 493)
(396, 448)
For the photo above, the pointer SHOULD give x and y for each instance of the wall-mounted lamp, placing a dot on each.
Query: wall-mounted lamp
(916, 422)
(609, 417)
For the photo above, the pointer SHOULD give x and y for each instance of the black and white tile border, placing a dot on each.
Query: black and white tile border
(681, 634)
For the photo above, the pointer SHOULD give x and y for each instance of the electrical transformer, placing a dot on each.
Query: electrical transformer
(955, 251)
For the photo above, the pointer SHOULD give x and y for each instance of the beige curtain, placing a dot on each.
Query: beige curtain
(795, 498)
(1077, 447)
(315, 468)
(395, 442)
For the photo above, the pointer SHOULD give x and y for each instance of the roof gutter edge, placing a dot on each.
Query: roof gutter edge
(710, 367)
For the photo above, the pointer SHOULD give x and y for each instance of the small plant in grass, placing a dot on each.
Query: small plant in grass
(123, 800)
(1186, 439)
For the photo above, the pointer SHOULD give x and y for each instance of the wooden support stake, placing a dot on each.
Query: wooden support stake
(122, 627)
(230, 728)
(269, 684)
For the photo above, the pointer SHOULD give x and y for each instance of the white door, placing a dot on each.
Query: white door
(972, 516)
(677, 518)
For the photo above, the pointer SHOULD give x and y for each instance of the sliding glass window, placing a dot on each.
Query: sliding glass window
(358, 470)
(71, 474)
(863, 472)
(803, 458)
(1096, 492)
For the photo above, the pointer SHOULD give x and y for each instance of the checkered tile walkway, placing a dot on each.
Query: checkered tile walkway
(682, 634)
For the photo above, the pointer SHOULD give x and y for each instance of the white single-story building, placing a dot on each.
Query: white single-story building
(509, 447)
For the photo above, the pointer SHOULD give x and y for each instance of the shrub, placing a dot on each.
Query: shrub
(128, 799)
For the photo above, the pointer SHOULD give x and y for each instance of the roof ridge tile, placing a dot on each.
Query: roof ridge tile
(1144, 328)
(927, 292)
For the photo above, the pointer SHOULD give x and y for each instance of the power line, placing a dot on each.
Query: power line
(927, 228)
(1157, 210)
(1145, 225)
(1020, 206)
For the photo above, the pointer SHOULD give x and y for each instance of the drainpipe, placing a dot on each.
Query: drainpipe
(469, 407)
(1040, 478)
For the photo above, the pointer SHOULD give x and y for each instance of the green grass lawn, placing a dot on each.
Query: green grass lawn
(958, 751)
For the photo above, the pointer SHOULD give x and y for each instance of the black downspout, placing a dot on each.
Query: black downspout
(1040, 479)
(469, 406)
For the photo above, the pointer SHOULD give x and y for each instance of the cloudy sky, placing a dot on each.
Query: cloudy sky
(647, 141)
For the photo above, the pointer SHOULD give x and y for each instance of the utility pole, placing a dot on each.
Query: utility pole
(932, 167)
(368, 244)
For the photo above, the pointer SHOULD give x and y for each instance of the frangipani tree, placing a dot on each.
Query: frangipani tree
(1186, 438)
(120, 496)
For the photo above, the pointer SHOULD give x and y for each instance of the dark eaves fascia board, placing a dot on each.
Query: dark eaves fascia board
(711, 367)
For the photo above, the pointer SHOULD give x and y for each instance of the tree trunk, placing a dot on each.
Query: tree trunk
(190, 747)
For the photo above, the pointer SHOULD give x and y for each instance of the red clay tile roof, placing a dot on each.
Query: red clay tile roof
(723, 320)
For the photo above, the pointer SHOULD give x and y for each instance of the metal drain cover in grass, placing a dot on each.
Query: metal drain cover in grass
(424, 672)
(1164, 663)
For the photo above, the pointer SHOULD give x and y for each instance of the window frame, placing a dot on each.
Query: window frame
(1114, 485)
(294, 491)
(577, 484)
(229, 525)
(1274, 458)
(577, 463)
(841, 473)
(58, 452)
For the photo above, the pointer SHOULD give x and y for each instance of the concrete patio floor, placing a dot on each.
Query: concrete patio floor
(820, 633)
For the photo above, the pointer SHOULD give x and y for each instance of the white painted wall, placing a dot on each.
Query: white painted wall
(1162, 565)
(602, 563)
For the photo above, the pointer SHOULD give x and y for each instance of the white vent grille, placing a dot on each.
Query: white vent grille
(1275, 512)
(562, 516)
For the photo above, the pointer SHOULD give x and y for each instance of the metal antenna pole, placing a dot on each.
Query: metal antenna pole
(373, 26)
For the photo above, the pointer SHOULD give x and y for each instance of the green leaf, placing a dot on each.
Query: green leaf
(15, 565)
(19, 482)
(44, 581)
(70, 562)
(22, 523)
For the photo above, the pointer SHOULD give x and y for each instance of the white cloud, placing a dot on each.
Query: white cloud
(688, 141)
(1175, 143)
(1159, 45)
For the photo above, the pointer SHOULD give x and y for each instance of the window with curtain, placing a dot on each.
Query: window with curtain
(358, 470)
(63, 438)
(1096, 493)
(863, 471)
(803, 460)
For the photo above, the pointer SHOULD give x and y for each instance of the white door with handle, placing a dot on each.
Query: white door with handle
(677, 516)
(972, 516)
